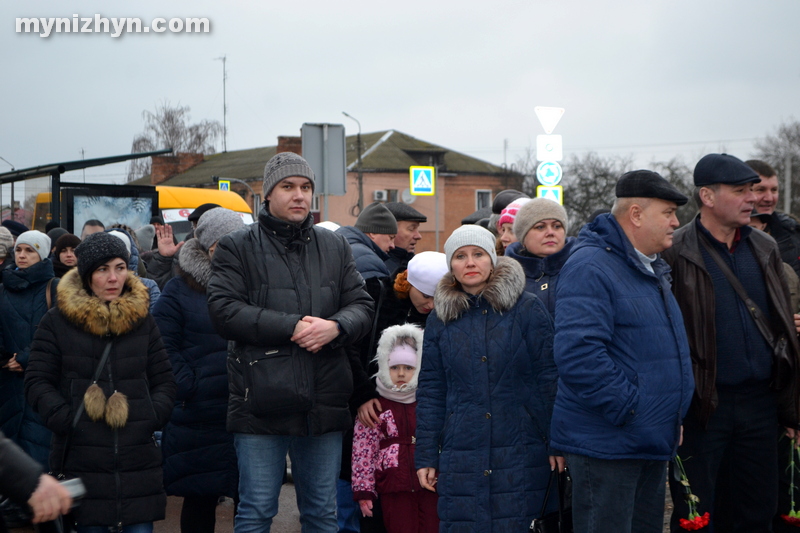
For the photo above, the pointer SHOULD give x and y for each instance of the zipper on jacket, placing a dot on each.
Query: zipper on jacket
(411, 450)
(117, 481)
(444, 427)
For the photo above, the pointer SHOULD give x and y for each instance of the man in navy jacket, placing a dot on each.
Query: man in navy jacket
(625, 379)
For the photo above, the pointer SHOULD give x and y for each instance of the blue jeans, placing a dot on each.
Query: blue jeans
(617, 496)
(347, 510)
(315, 469)
(144, 527)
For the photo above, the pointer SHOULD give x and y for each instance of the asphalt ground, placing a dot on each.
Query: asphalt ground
(287, 520)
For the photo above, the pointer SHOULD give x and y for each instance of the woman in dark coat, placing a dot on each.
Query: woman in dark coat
(542, 247)
(199, 455)
(64, 254)
(27, 286)
(118, 403)
(486, 392)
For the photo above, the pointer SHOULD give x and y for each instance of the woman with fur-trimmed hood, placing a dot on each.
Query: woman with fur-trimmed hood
(100, 378)
(199, 455)
(486, 392)
(383, 456)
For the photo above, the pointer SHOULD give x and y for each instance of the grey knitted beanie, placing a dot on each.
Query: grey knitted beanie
(36, 240)
(215, 224)
(470, 235)
(285, 165)
(6, 241)
(95, 250)
(376, 218)
(536, 210)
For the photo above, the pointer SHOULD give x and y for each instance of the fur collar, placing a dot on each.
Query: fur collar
(92, 315)
(506, 285)
(195, 264)
(385, 345)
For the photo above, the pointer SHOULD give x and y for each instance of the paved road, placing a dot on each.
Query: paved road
(287, 521)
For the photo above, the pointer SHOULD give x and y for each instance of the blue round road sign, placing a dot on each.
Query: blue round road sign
(548, 173)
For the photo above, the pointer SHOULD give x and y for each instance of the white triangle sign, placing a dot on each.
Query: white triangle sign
(549, 117)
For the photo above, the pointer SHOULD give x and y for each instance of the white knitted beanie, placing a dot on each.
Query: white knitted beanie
(470, 235)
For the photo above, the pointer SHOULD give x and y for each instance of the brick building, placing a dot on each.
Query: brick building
(464, 184)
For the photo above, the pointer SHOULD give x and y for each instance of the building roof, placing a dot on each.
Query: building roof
(382, 151)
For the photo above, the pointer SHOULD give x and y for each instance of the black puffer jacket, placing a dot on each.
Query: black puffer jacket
(121, 468)
(261, 286)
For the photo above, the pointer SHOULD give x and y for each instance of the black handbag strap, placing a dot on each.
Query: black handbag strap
(378, 306)
(754, 310)
(314, 277)
(81, 407)
(555, 474)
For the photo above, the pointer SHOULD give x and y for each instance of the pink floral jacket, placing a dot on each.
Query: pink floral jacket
(383, 458)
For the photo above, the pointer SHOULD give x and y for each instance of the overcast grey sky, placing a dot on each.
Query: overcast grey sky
(650, 79)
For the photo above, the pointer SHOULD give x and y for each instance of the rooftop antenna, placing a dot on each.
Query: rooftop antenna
(224, 105)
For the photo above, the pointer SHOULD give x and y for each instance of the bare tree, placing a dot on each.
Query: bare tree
(589, 183)
(169, 127)
(680, 175)
(776, 148)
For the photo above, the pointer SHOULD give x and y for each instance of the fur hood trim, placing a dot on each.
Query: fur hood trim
(506, 284)
(195, 263)
(92, 315)
(385, 345)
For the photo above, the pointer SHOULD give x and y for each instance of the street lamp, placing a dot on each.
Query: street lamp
(252, 194)
(360, 175)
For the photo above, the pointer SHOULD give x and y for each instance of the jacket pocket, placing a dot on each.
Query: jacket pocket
(278, 380)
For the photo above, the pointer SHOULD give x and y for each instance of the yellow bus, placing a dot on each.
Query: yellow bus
(174, 203)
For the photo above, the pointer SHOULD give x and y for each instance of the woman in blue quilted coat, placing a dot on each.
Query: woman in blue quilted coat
(486, 392)
(27, 292)
(199, 456)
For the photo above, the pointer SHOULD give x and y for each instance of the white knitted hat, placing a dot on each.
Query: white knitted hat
(425, 270)
(470, 235)
(36, 240)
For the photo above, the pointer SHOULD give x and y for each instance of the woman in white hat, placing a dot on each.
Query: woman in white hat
(27, 292)
(486, 392)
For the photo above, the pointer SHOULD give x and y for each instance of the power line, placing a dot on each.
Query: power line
(620, 146)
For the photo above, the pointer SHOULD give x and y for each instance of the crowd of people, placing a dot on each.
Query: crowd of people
(412, 391)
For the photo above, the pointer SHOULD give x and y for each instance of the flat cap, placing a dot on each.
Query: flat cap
(503, 198)
(648, 184)
(403, 211)
(725, 169)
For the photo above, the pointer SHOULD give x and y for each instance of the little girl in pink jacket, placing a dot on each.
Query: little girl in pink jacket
(383, 457)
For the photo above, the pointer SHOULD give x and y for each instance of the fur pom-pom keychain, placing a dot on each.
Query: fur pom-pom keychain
(95, 401)
(114, 410)
(117, 410)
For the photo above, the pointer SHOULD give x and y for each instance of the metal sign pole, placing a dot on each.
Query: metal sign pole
(325, 171)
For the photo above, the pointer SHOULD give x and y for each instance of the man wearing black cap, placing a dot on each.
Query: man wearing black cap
(625, 377)
(745, 385)
(405, 242)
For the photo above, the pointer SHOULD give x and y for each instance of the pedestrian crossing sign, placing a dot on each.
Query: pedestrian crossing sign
(423, 180)
(224, 185)
(555, 193)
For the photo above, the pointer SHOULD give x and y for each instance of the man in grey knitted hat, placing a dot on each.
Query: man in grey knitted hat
(405, 242)
(290, 298)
